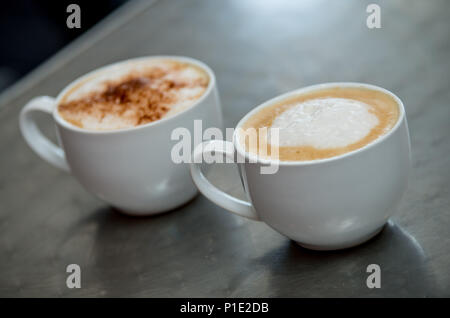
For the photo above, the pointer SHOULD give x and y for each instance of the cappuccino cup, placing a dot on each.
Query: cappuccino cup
(114, 128)
(342, 160)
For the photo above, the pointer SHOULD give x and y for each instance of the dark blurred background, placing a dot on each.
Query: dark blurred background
(31, 31)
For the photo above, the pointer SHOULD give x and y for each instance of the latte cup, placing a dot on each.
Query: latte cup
(130, 168)
(323, 204)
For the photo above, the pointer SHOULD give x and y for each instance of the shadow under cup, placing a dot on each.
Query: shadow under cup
(131, 169)
(325, 204)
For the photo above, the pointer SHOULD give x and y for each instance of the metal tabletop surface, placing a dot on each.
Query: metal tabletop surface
(258, 49)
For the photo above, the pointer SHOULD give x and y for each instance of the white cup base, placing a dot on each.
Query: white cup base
(344, 245)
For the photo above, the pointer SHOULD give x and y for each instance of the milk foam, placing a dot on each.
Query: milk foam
(324, 123)
(181, 99)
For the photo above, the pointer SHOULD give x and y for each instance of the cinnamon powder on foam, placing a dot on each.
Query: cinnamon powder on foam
(135, 99)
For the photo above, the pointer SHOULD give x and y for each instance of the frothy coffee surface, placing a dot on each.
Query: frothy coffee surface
(133, 94)
(322, 123)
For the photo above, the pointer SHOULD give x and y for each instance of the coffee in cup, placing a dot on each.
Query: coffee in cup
(321, 124)
(343, 166)
(114, 128)
(136, 93)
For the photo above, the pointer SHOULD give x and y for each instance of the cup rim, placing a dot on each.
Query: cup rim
(60, 121)
(255, 158)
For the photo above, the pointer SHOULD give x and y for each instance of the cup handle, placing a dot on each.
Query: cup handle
(226, 201)
(46, 149)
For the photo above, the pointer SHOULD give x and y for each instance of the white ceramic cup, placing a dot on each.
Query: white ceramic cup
(324, 204)
(132, 168)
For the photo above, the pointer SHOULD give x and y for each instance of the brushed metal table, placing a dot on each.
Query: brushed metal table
(258, 50)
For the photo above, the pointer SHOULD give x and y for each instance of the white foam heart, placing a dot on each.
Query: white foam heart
(324, 123)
